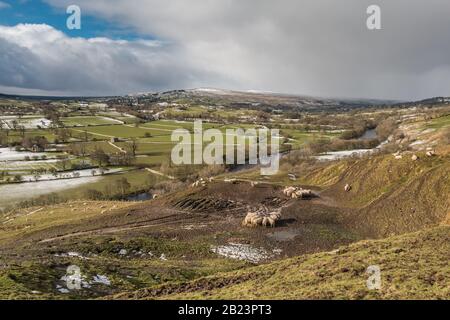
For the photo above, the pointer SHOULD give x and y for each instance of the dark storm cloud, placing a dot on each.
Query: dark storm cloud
(315, 47)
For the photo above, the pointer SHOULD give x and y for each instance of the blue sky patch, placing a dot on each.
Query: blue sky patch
(38, 12)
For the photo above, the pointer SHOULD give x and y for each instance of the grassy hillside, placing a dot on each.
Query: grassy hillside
(109, 239)
(389, 196)
(413, 266)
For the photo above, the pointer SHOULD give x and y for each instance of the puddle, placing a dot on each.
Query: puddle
(369, 135)
(101, 279)
(285, 235)
(144, 196)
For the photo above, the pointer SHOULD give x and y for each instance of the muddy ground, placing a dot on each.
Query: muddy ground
(214, 212)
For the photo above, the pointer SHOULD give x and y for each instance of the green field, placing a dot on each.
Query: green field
(153, 141)
(138, 179)
(15, 136)
(300, 138)
(439, 123)
(119, 131)
(87, 121)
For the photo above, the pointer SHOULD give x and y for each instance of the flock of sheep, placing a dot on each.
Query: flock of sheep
(265, 218)
(430, 152)
(262, 217)
(201, 182)
(298, 193)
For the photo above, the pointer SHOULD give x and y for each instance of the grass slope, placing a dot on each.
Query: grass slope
(413, 266)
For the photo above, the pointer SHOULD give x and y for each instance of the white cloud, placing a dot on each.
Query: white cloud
(4, 5)
(40, 58)
(313, 47)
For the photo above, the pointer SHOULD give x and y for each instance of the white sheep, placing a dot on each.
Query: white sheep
(269, 222)
(275, 215)
(289, 190)
(295, 193)
(261, 218)
(256, 221)
(248, 220)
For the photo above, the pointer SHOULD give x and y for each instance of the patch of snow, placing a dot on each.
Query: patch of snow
(72, 254)
(242, 252)
(210, 90)
(8, 154)
(28, 123)
(75, 174)
(11, 193)
(101, 279)
(336, 155)
(62, 290)
(259, 91)
(97, 279)
(112, 119)
(23, 165)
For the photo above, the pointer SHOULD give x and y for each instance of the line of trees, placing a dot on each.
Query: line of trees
(119, 187)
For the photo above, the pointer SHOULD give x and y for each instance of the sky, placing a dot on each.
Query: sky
(317, 48)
